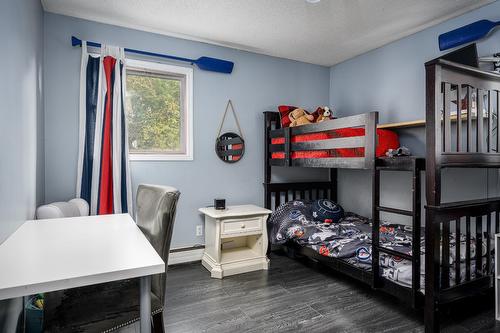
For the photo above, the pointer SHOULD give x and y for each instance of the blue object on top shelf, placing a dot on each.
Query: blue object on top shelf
(204, 63)
(466, 34)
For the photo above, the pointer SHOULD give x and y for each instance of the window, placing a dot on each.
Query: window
(159, 111)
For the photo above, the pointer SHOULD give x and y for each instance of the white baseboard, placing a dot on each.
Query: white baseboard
(183, 256)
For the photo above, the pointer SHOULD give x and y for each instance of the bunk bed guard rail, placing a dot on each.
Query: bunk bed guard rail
(476, 221)
(368, 141)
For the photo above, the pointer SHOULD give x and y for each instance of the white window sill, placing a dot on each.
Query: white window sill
(159, 157)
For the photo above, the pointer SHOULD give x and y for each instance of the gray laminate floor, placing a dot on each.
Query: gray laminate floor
(296, 297)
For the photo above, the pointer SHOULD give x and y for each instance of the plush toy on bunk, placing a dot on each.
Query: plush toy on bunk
(292, 116)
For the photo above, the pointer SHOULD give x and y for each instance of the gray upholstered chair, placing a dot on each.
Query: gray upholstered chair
(110, 306)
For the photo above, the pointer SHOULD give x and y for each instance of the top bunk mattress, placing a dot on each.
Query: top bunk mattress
(386, 140)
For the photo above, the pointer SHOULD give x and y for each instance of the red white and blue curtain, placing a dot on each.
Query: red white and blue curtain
(103, 168)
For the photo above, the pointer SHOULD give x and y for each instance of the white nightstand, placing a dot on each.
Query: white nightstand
(235, 240)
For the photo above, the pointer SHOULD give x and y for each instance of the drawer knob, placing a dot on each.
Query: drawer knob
(242, 226)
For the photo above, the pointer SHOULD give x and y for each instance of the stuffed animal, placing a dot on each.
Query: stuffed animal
(300, 117)
(324, 113)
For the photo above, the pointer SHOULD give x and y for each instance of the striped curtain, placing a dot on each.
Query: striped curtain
(103, 168)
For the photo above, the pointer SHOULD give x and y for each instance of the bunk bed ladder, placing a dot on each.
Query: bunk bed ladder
(415, 166)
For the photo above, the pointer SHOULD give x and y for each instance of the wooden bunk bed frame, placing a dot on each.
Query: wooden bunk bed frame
(470, 144)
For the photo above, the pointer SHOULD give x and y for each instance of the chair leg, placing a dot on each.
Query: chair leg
(158, 326)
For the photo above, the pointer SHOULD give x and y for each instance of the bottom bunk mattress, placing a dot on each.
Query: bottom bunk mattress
(349, 239)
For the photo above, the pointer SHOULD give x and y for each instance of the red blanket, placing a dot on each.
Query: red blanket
(386, 140)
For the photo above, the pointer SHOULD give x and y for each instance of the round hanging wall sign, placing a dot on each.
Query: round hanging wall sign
(230, 146)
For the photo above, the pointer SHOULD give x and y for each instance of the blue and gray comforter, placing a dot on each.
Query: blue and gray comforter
(350, 240)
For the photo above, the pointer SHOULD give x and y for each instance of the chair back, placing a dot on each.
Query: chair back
(71, 208)
(155, 215)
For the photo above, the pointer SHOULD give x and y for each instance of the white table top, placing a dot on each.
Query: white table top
(235, 211)
(55, 254)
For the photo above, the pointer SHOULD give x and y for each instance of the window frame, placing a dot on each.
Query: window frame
(186, 74)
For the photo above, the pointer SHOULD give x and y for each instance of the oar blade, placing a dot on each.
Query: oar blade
(465, 34)
(214, 65)
(75, 41)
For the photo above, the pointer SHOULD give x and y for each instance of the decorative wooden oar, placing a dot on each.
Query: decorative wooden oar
(204, 63)
(466, 34)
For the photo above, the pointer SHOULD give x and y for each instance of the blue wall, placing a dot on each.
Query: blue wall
(21, 125)
(391, 80)
(258, 83)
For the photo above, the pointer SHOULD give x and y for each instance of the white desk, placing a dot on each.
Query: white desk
(56, 254)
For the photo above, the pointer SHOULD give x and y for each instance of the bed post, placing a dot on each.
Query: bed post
(416, 231)
(333, 185)
(433, 134)
(269, 117)
(375, 227)
(433, 195)
(370, 156)
(371, 139)
(432, 262)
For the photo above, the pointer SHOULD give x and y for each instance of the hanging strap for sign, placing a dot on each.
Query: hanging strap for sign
(230, 105)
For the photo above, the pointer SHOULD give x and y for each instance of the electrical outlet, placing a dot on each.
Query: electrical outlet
(199, 230)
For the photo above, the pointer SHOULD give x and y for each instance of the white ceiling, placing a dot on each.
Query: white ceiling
(323, 33)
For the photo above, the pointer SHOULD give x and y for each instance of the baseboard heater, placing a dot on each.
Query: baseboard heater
(185, 254)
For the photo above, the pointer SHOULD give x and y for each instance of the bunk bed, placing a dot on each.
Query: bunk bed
(470, 143)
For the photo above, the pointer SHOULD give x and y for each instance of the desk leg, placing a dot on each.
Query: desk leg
(145, 304)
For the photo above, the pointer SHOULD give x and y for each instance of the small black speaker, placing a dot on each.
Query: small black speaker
(220, 204)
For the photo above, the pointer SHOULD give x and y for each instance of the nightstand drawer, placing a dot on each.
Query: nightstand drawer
(237, 226)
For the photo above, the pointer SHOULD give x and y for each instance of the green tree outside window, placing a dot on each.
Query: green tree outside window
(154, 114)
